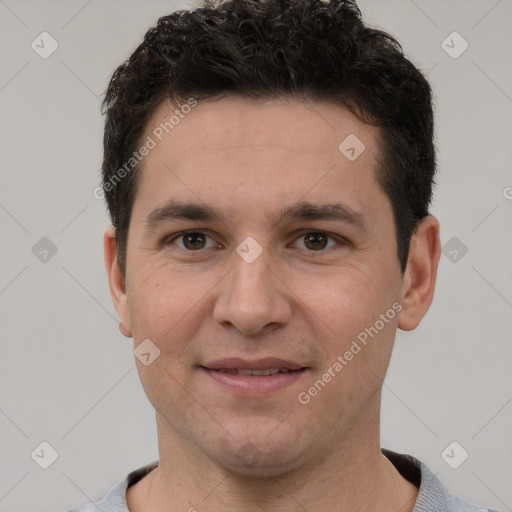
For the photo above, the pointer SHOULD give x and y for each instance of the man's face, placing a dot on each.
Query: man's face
(298, 260)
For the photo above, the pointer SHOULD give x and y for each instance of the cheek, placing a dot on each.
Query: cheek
(356, 348)
(349, 306)
(347, 299)
(166, 305)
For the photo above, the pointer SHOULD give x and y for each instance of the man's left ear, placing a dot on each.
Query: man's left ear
(419, 279)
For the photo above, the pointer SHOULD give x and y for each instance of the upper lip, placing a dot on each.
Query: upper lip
(266, 363)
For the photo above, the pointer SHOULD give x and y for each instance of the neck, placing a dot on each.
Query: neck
(352, 475)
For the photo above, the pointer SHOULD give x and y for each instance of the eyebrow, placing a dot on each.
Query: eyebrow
(179, 210)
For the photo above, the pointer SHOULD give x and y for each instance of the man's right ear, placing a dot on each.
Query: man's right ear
(116, 281)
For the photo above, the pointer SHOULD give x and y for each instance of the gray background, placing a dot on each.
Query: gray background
(68, 377)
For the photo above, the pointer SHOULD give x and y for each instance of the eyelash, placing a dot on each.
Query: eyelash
(340, 241)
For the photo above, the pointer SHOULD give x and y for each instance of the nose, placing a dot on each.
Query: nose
(253, 296)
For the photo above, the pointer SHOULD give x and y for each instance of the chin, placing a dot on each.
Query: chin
(258, 459)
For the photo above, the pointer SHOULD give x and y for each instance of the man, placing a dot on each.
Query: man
(268, 168)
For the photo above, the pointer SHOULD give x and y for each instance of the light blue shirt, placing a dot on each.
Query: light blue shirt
(432, 496)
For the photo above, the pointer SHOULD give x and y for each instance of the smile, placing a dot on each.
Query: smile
(249, 382)
(255, 373)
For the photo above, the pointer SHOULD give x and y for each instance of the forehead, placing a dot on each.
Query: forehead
(287, 124)
(256, 154)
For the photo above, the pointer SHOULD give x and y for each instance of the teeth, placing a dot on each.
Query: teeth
(256, 373)
(228, 370)
(260, 372)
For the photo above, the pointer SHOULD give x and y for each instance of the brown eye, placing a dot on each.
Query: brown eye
(192, 241)
(316, 241)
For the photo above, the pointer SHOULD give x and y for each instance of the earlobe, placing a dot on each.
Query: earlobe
(419, 279)
(116, 281)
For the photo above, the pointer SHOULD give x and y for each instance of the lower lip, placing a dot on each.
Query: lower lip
(256, 384)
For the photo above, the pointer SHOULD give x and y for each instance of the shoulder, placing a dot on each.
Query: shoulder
(115, 499)
(432, 496)
(460, 505)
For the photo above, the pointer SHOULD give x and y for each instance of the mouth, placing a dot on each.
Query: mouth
(245, 367)
(255, 373)
(252, 378)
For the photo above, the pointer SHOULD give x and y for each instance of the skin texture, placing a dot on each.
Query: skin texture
(300, 300)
